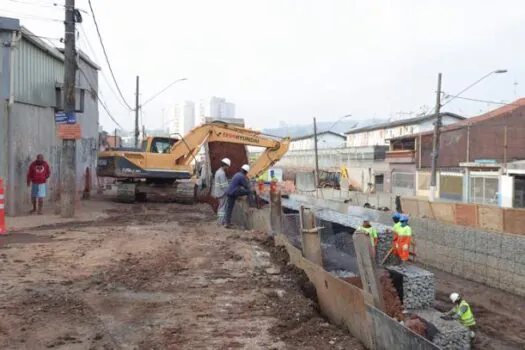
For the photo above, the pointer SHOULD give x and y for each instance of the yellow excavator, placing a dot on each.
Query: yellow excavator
(162, 163)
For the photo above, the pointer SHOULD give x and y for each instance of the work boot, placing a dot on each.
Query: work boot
(472, 334)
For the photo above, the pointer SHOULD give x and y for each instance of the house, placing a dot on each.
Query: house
(379, 134)
(476, 156)
(325, 139)
(31, 78)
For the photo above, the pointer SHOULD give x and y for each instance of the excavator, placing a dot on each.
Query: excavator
(163, 163)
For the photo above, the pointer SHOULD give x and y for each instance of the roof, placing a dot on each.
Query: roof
(402, 122)
(304, 137)
(496, 113)
(13, 24)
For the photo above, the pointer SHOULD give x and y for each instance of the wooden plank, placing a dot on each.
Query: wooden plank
(490, 218)
(466, 214)
(367, 268)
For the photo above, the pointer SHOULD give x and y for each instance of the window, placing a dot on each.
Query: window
(161, 145)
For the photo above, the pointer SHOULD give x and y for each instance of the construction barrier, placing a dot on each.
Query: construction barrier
(484, 217)
(3, 229)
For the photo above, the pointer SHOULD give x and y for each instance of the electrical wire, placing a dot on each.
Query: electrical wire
(104, 76)
(99, 99)
(106, 56)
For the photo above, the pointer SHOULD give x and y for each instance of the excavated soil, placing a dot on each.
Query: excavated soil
(155, 276)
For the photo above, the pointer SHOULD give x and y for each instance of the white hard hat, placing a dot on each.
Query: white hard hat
(226, 161)
(454, 297)
(245, 167)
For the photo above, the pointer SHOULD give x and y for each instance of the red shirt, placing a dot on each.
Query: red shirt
(38, 173)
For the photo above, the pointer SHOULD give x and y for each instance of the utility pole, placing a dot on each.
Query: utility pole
(137, 111)
(115, 136)
(435, 142)
(316, 158)
(68, 159)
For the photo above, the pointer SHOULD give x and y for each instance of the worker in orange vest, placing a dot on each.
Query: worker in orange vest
(404, 238)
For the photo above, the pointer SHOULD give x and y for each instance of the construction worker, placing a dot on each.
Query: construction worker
(369, 230)
(404, 237)
(395, 217)
(220, 186)
(462, 312)
(240, 186)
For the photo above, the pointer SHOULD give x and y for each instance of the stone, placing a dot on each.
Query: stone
(418, 289)
(451, 334)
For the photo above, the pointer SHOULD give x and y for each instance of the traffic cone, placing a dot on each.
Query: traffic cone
(3, 229)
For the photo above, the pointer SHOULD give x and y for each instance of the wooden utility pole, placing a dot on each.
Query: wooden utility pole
(137, 111)
(115, 136)
(435, 142)
(68, 159)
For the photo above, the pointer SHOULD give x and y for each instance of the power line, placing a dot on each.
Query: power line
(99, 99)
(483, 101)
(104, 76)
(106, 55)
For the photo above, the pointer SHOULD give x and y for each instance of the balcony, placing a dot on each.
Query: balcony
(401, 156)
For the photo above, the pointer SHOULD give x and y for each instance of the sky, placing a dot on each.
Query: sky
(291, 60)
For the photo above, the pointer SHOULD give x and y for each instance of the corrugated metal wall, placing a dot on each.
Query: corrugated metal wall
(36, 73)
(34, 116)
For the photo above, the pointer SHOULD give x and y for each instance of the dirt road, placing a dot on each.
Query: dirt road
(153, 276)
(499, 315)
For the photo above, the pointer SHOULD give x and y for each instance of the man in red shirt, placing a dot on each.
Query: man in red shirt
(37, 176)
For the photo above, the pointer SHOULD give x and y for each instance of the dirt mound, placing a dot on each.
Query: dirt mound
(393, 305)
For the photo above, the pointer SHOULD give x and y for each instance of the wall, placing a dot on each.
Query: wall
(484, 139)
(33, 116)
(324, 140)
(379, 136)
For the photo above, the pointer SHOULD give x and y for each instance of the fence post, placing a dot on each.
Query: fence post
(276, 214)
(310, 237)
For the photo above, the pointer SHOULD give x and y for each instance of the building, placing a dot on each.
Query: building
(216, 108)
(325, 139)
(379, 134)
(183, 118)
(31, 79)
(476, 156)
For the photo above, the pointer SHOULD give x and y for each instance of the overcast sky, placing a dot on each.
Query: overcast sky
(290, 60)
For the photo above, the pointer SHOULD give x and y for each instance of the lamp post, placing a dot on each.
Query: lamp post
(437, 127)
(316, 152)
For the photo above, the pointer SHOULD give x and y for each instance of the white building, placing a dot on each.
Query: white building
(216, 108)
(379, 134)
(183, 118)
(325, 139)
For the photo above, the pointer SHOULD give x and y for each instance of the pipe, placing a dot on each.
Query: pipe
(11, 174)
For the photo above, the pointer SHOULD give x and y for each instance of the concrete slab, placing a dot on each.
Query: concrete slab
(452, 335)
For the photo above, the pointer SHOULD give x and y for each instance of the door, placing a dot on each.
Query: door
(379, 183)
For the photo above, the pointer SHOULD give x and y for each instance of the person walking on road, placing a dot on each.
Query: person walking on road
(220, 186)
(240, 186)
(461, 312)
(37, 176)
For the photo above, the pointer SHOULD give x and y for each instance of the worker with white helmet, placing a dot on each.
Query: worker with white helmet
(462, 312)
(367, 228)
(220, 186)
(240, 186)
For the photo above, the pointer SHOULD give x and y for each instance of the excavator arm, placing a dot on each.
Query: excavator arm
(188, 146)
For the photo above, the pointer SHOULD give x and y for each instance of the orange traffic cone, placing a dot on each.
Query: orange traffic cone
(3, 230)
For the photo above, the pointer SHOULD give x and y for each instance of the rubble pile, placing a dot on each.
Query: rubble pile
(393, 305)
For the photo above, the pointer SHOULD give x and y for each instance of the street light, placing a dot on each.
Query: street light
(316, 152)
(437, 127)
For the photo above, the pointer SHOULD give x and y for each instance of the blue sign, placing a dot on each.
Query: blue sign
(60, 118)
(71, 118)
